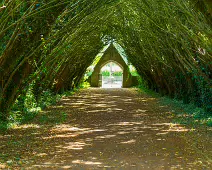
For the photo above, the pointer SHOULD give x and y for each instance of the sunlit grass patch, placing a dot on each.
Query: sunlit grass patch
(187, 113)
(26, 126)
(182, 113)
(51, 117)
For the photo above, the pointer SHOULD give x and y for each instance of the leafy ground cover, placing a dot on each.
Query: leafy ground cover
(185, 113)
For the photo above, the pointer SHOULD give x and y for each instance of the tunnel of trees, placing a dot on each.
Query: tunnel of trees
(47, 45)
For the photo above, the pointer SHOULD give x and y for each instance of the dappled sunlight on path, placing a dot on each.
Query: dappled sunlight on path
(106, 129)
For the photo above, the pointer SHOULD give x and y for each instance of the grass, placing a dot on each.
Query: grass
(188, 113)
(185, 113)
(143, 89)
(51, 118)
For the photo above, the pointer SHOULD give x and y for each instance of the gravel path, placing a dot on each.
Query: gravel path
(107, 129)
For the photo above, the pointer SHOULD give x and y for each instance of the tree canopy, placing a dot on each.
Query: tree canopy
(50, 44)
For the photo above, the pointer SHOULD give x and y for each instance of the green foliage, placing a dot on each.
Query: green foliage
(29, 99)
(84, 84)
(3, 126)
(48, 98)
(143, 88)
(64, 117)
(117, 73)
(209, 121)
(188, 113)
(26, 107)
(107, 73)
(142, 84)
(44, 119)
(134, 73)
(56, 118)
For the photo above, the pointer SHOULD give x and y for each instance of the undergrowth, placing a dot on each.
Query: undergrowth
(188, 113)
(185, 113)
(26, 108)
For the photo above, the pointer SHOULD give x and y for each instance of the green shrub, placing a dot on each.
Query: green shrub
(209, 121)
(117, 73)
(3, 126)
(105, 73)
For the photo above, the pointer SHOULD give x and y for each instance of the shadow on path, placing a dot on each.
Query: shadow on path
(106, 129)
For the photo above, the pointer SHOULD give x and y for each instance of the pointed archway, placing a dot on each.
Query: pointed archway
(112, 75)
(111, 55)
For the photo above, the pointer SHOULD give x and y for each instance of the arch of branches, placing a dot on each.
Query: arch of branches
(48, 44)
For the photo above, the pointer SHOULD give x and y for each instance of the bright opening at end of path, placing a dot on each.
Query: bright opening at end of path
(111, 76)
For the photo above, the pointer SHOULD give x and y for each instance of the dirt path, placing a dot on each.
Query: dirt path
(106, 129)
